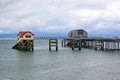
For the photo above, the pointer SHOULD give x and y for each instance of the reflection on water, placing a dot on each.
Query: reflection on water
(63, 64)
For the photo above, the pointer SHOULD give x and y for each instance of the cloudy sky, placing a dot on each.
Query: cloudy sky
(95, 16)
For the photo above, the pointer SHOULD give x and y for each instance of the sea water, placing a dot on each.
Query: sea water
(64, 64)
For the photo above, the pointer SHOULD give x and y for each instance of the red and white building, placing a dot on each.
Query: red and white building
(25, 35)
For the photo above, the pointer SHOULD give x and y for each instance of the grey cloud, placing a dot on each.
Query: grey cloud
(48, 15)
(6, 3)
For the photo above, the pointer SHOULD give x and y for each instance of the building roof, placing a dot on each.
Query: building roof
(81, 31)
(22, 33)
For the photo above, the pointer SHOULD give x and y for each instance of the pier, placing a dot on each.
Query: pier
(110, 44)
(77, 39)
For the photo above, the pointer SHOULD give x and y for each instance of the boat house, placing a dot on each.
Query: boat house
(76, 34)
(25, 35)
(25, 41)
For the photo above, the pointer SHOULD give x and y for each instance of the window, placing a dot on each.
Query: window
(21, 36)
(28, 36)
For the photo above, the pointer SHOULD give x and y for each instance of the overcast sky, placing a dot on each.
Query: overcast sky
(95, 16)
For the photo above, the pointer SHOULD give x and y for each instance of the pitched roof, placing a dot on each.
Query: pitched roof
(22, 33)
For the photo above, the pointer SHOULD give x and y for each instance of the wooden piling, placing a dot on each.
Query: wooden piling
(25, 45)
(108, 44)
(76, 44)
(118, 46)
(53, 43)
(64, 43)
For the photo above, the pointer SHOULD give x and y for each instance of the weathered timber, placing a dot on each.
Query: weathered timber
(109, 44)
(25, 45)
(53, 43)
(76, 44)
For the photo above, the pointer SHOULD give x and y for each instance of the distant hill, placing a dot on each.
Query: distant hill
(58, 35)
(42, 34)
(8, 35)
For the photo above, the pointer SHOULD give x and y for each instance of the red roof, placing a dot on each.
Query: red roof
(22, 33)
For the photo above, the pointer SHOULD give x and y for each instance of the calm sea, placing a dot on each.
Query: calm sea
(63, 64)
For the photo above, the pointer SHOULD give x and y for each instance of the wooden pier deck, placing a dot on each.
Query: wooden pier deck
(95, 43)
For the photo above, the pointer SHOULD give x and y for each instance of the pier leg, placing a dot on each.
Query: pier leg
(73, 44)
(53, 43)
(62, 43)
(76, 44)
(49, 48)
(80, 43)
(118, 46)
(72, 48)
(95, 45)
(102, 45)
